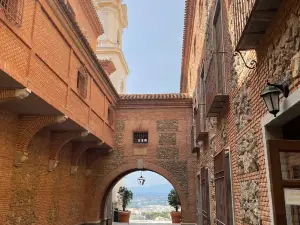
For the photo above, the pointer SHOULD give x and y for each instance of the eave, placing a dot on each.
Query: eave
(190, 6)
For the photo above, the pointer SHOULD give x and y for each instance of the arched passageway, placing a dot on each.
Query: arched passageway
(129, 171)
(163, 123)
(99, 196)
(149, 198)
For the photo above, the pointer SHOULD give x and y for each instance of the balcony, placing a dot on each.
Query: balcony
(216, 94)
(201, 131)
(252, 19)
(194, 147)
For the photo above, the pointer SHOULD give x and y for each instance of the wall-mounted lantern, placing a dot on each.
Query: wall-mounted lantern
(141, 179)
(271, 96)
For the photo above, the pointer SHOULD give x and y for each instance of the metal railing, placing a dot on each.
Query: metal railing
(200, 121)
(242, 10)
(211, 88)
(13, 10)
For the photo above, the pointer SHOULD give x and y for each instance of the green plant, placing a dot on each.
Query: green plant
(174, 200)
(125, 196)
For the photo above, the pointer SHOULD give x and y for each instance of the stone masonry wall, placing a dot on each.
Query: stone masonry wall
(30, 194)
(168, 149)
(239, 128)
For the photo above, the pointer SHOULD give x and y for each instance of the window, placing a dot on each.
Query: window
(140, 137)
(13, 10)
(205, 198)
(82, 82)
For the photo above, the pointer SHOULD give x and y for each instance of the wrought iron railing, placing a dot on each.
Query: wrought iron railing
(13, 10)
(241, 11)
(200, 121)
(211, 88)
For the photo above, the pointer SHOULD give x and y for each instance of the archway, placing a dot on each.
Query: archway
(98, 199)
(122, 171)
(149, 202)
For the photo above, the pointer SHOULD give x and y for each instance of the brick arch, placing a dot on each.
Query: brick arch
(30, 125)
(113, 177)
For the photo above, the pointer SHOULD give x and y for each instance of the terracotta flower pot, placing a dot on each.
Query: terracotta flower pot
(176, 217)
(124, 216)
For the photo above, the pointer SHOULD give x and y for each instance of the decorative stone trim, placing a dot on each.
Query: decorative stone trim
(167, 153)
(28, 127)
(224, 135)
(247, 154)
(167, 139)
(58, 140)
(120, 126)
(11, 94)
(167, 125)
(249, 202)
(242, 110)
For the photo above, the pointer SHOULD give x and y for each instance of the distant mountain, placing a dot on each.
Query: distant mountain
(154, 190)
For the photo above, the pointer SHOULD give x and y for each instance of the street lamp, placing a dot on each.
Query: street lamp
(141, 180)
(271, 96)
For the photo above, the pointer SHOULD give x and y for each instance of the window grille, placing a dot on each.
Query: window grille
(218, 46)
(82, 82)
(140, 137)
(13, 10)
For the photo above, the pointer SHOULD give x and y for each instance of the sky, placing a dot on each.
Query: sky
(152, 45)
(152, 179)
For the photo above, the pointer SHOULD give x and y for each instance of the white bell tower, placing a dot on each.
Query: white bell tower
(113, 15)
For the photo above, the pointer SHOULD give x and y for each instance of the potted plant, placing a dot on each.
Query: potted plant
(125, 196)
(174, 201)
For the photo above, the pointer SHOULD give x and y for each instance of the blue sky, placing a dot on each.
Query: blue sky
(152, 45)
(152, 179)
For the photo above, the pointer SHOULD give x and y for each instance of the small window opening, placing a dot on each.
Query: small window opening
(140, 137)
(82, 83)
(13, 10)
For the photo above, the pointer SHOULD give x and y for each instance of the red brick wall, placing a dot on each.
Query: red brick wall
(238, 129)
(167, 153)
(44, 55)
(32, 194)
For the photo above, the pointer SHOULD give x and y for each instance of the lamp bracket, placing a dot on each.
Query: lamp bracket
(284, 88)
(253, 63)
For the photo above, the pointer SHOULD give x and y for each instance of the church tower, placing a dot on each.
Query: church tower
(113, 15)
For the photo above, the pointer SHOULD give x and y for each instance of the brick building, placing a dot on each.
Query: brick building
(247, 159)
(66, 135)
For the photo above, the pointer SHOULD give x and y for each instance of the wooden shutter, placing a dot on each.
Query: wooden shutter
(205, 197)
(220, 188)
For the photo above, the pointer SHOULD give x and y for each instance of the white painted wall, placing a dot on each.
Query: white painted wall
(115, 201)
(113, 15)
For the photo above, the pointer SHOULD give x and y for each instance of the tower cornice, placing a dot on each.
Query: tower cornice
(105, 51)
(116, 4)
